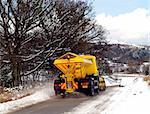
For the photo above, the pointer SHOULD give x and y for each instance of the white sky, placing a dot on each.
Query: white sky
(132, 27)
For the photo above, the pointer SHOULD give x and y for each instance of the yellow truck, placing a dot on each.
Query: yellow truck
(79, 74)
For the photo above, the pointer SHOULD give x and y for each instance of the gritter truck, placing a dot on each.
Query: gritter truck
(79, 74)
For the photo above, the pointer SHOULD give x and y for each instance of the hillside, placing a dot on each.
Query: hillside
(128, 53)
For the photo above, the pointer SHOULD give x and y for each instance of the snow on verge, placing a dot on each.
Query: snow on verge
(112, 82)
(132, 99)
(40, 95)
(135, 100)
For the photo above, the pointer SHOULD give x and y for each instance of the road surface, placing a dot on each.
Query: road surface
(58, 105)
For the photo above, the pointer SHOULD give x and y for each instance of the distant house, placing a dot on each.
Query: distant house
(145, 68)
(117, 67)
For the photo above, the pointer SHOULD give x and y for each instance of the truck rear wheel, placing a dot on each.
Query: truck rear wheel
(63, 95)
(91, 88)
(57, 87)
(97, 90)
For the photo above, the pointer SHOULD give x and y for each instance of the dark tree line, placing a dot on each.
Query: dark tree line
(35, 31)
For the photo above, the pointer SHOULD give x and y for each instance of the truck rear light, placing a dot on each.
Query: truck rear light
(56, 84)
(85, 84)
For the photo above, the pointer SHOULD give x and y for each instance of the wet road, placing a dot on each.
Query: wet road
(58, 105)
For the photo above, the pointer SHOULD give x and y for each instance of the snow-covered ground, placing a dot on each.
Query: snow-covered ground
(132, 99)
(112, 81)
(41, 94)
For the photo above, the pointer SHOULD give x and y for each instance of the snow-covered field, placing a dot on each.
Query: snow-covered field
(41, 94)
(132, 99)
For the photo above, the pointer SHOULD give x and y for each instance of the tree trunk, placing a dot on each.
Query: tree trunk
(1, 89)
(15, 63)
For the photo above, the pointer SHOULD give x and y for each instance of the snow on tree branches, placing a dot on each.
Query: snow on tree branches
(31, 31)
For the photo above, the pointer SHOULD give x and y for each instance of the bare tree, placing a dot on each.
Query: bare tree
(31, 31)
(20, 23)
(80, 27)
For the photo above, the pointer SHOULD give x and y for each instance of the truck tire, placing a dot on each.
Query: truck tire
(57, 88)
(98, 89)
(91, 88)
(63, 95)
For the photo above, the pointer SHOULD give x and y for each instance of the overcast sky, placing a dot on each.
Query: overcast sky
(127, 21)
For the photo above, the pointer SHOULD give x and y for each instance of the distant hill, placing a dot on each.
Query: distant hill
(128, 53)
